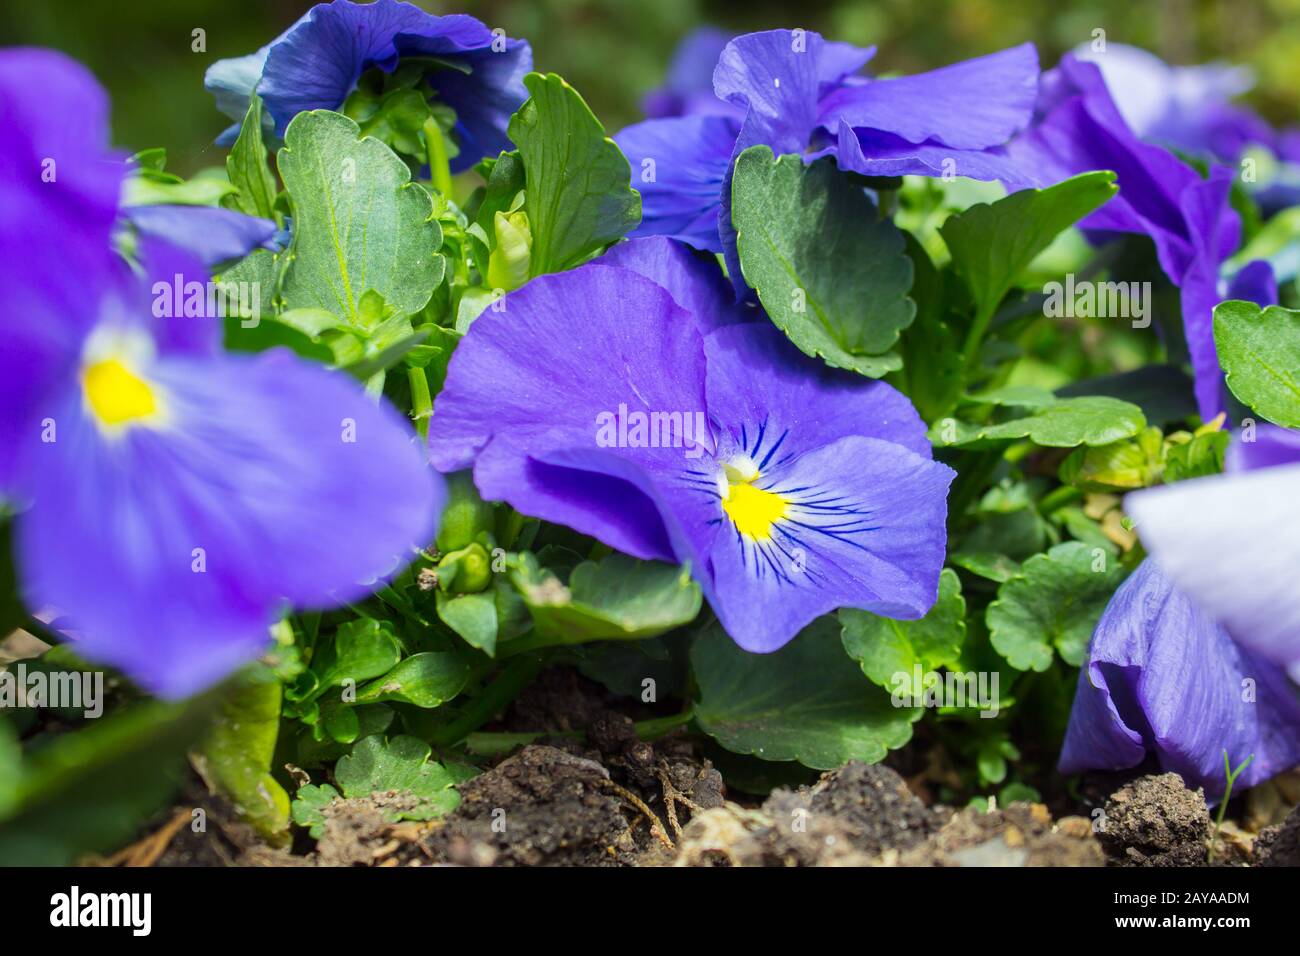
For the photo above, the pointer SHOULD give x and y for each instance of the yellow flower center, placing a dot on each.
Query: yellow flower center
(753, 510)
(117, 395)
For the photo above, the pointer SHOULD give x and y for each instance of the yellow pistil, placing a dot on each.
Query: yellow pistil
(753, 510)
(117, 395)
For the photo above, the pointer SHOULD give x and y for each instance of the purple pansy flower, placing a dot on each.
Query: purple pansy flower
(316, 63)
(1189, 218)
(1190, 108)
(1186, 107)
(1162, 678)
(797, 93)
(174, 500)
(688, 89)
(1232, 541)
(648, 410)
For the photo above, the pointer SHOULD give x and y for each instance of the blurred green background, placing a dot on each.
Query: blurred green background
(615, 50)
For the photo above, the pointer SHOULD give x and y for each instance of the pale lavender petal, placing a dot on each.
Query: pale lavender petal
(1268, 447)
(1162, 678)
(1230, 543)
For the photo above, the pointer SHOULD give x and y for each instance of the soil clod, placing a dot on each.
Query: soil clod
(1155, 821)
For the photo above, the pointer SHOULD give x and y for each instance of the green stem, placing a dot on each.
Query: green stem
(1223, 805)
(657, 727)
(516, 675)
(439, 165)
(979, 325)
(421, 401)
(1058, 498)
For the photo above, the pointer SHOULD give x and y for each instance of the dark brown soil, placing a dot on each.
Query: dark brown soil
(1279, 845)
(594, 794)
(1155, 821)
(541, 807)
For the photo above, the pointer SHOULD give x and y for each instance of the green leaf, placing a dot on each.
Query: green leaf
(886, 648)
(1163, 392)
(360, 224)
(247, 167)
(398, 119)
(91, 789)
(1201, 456)
(578, 193)
(993, 243)
(208, 187)
(991, 761)
(986, 564)
(1119, 466)
(236, 757)
(617, 598)
(309, 805)
(933, 372)
(401, 764)
(428, 680)
(11, 767)
(829, 271)
(361, 650)
(1064, 423)
(505, 179)
(473, 617)
(1260, 351)
(808, 701)
(1054, 602)
(262, 268)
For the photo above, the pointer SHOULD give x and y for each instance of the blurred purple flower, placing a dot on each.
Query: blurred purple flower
(173, 500)
(801, 488)
(1232, 541)
(316, 63)
(797, 93)
(212, 234)
(1162, 678)
(1189, 218)
(688, 88)
(1188, 108)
